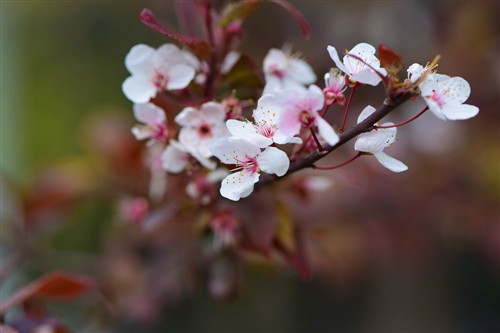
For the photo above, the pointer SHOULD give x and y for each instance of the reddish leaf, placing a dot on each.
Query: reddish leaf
(389, 59)
(199, 47)
(297, 15)
(55, 285)
(236, 11)
(189, 18)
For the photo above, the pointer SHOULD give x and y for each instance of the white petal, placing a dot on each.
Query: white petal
(375, 141)
(334, 55)
(457, 90)
(214, 112)
(364, 51)
(367, 111)
(141, 132)
(316, 98)
(217, 175)
(367, 76)
(179, 76)
(168, 55)
(460, 112)
(273, 160)
(246, 130)
(415, 71)
(205, 161)
(326, 131)
(301, 72)
(149, 114)
(237, 184)
(189, 116)
(229, 61)
(138, 90)
(390, 162)
(139, 60)
(274, 59)
(174, 159)
(231, 150)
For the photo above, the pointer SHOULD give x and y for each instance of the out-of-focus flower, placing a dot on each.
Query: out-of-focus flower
(377, 140)
(201, 127)
(229, 61)
(152, 71)
(153, 118)
(357, 70)
(133, 209)
(201, 189)
(286, 71)
(226, 228)
(176, 157)
(415, 71)
(266, 129)
(301, 109)
(334, 87)
(249, 161)
(445, 97)
(232, 107)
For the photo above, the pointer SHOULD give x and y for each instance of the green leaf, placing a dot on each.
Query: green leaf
(236, 11)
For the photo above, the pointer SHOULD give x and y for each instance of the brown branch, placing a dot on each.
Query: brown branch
(365, 126)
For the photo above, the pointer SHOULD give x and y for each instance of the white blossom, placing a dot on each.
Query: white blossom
(377, 140)
(153, 119)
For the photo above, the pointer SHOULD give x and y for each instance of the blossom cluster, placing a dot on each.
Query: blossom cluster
(289, 112)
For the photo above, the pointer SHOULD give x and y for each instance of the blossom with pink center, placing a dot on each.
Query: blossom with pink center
(265, 128)
(226, 227)
(202, 189)
(154, 126)
(152, 71)
(445, 97)
(301, 110)
(201, 126)
(359, 71)
(284, 71)
(249, 161)
(334, 87)
(176, 158)
(377, 140)
(133, 209)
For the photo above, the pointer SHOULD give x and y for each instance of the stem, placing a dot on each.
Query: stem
(208, 22)
(366, 125)
(406, 121)
(325, 109)
(320, 148)
(339, 165)
(212, 73)
(347, 108)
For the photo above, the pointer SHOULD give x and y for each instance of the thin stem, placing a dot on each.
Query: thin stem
(325, 109)
(359, 154)
(347, 108)
(208, 22)
(318, 144)
(404, 122)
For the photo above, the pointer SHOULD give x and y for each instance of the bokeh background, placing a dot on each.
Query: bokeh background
(416, 252)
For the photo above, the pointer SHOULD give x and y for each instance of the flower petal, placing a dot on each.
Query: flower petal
(460, 112)
(214, 112)
(174, 159)
(301, 72)
(367, 111)
(238, 185)
(335, 57)
(139, 60)
(368, 76)
(138, 90)
(179, 76)
(142, 132)
(189, 116)
(273, 160)
(326, 131)
(390, 162)
(246, 130)
(149, 114)
(231, 150)
(457, 90)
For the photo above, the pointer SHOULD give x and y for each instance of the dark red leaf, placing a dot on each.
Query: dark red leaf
(198, 46)
(55, 285)
(297, 15)
(237, 11)
(389, 59)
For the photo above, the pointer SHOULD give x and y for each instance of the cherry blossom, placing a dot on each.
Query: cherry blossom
(201, 126)
(249, 161)
(153, 118)
(201, 188)
(357, 70)
(445, 97)
(266, 129)
(284, 71)
(176, 158)
(415, 71)
(334, 87)
(301, 110)
(152, 71)
(376, 141)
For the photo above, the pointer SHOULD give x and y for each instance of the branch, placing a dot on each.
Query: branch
(364, 126)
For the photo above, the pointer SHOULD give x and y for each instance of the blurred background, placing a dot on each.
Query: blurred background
(411, 252)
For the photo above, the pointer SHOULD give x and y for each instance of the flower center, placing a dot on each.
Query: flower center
(438, 98)
(205, 130)
(160, 132)
(305, 118)
(280, 74)
(248, 165)
(160, 80)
